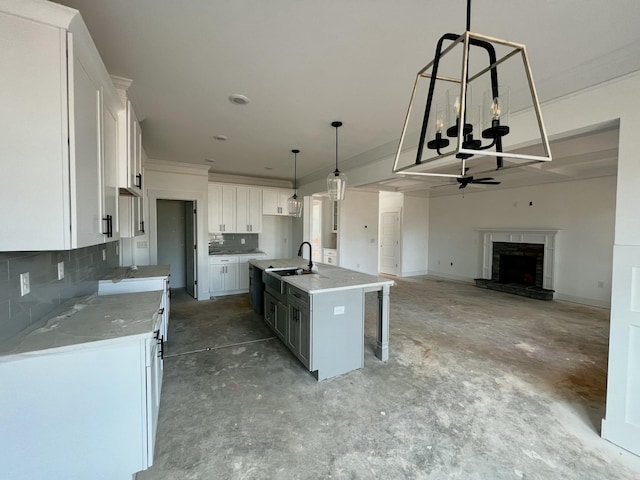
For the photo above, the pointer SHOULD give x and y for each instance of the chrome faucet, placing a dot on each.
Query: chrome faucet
(310, 253)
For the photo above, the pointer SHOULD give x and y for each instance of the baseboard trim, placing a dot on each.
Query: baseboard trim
(583, 301)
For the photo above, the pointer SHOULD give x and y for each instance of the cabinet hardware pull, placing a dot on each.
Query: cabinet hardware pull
(161, 343)
(139, 181)
(156, 334)
(161, 311)
(142, 226)
(109, 226)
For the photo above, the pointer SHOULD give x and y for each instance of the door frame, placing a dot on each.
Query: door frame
(398, 256)
(202, 252)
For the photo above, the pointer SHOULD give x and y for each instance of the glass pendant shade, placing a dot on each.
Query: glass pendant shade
(336, 181)
(295, 205)
(336, 185)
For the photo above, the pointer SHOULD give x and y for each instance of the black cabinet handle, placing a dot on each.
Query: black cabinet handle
(161, 343)
(161, 311)
(109, 226)
(142, 226)
(139, 181)
(156, 334)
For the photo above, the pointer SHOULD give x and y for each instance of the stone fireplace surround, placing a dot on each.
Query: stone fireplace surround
(546, 238)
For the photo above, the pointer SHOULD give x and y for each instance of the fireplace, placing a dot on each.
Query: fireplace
(519, 262)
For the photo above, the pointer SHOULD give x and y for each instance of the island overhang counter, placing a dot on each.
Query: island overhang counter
(320, 316)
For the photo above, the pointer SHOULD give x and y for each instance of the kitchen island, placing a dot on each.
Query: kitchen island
(320, 316)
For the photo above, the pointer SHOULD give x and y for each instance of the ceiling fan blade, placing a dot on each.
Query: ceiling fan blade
(484, 179)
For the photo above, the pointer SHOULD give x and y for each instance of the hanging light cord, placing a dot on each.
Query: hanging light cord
(295, 173)
(468, 15)
(336, 170)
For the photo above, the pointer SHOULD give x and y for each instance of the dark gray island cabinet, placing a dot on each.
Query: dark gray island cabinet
(320, 316)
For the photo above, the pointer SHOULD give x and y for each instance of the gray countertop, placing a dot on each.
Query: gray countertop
(329, 278)
(142, 271)
(90, 319)
(235, 252)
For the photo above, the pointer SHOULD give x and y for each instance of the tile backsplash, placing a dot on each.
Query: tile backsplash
(82, 269)
(233, 241)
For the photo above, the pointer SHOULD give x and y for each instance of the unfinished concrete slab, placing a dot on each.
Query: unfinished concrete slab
(479, 385)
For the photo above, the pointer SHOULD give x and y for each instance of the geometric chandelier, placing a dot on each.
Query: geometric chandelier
(456, 131)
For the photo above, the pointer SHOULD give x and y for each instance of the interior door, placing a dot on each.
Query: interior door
(390, 243)
(191, 258)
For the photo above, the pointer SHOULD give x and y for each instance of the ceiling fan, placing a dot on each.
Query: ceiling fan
(464, 181)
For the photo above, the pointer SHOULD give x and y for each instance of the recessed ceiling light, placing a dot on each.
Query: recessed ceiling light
(210, 160)
(238, 99)
(221, 138)
(268, 168)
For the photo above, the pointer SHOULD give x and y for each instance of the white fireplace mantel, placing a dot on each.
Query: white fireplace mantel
(546, 237)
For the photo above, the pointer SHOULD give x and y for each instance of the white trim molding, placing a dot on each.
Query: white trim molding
(546, 237)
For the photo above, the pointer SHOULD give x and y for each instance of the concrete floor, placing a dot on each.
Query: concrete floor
(479, 385)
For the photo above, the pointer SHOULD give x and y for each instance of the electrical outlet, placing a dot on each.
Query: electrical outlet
(60, 270)
(104, 255)
(242, 242)
(24, 284)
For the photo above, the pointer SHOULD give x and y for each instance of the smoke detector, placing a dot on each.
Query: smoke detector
(238, 99)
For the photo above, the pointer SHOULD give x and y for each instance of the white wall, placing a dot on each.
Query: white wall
(415, 236)
(358, 232)
(584, 211)
(276, 239)
(170, 181)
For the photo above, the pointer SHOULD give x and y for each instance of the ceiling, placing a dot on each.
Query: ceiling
(305, 63)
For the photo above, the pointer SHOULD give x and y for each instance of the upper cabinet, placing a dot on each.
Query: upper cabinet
(130, 177)
(274, 202)
(248, 210)
(222, 208)
(59, 137)
(234, 209)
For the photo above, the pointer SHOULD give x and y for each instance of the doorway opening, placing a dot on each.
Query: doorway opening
(176, 242)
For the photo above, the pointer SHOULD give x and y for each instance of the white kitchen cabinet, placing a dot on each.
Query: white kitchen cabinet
(274, 202)
(130, 165)
(330, 256)
(222, 208)
(110, 187)
(57, 103)
(223, 275)
(248, 210)
(90, 407)
(145, 278)
(131, 216)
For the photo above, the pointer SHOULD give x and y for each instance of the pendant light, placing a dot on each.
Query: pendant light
(294, 203)
(336, 181)
(470, 136)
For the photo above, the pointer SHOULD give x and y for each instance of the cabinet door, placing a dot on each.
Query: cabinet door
(281, 321)
(255, 210)
(228, 211)
(134, 151)
(216, 278)
(110, 172)
(248, 210)
(86, 195)
(215, 202)
(293, 330)
(270, 309)
(231, 277)
(270, 202)
(242, 210)
(33, 122)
